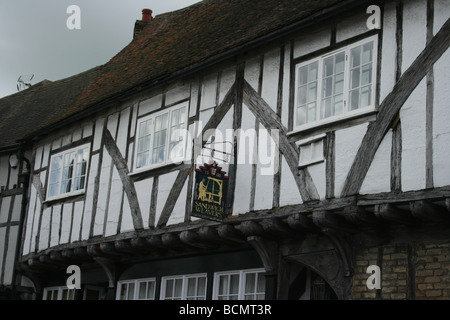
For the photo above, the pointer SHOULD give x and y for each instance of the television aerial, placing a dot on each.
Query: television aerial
(24, 82)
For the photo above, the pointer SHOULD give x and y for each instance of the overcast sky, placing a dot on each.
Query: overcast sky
(35, 39)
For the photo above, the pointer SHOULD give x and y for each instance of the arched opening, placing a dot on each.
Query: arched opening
(305, 284)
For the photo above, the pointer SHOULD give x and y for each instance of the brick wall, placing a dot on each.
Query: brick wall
(407, 272)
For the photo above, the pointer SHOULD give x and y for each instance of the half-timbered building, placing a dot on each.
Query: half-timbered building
(243, 150)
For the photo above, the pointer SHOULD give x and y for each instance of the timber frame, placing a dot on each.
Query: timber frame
(321, 234)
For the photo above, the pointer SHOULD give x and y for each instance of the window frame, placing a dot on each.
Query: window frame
(242, 284)
(61, 177)
(184, 286)
(59, 291)
(136, 283)
(152, 116)
(346, 113)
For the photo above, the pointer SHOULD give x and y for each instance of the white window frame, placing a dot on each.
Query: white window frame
(59, 293)
(347, 113)
(184, 288)
(136, 283)
(61, 178)
(241, 291)
(167, 159)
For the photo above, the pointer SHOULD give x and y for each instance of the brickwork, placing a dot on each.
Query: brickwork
(407, 272)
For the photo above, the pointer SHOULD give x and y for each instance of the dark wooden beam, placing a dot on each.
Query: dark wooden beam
(277, 228)
(140, 245)
(271, 121)
(192, 239)
(392, 213)
(360, 216)
(230, 233)
(268, 252)
(329, 219)
(428, 211)
(301, 222)
(178, 185)
(128, 184)
(155, 241)
(172, 241)
(390, 107)
(81, 253)
(251, 228)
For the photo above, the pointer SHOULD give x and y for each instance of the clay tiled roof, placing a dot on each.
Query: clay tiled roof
(170, 45)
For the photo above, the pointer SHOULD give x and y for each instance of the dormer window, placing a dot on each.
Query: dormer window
(68, 172)
(161, 137)
(336, 85)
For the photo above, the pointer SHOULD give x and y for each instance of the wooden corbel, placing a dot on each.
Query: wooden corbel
(109, 267)
(343, 248)
(268, 252)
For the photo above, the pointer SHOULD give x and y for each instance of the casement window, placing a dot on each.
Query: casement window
(68, 172)
(161, 137)
(186, 287)
(58, 293)
(138, 289)
(336, 85)
(239, 285)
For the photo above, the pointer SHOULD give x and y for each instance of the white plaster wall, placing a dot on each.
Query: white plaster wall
(441, 121)
(66, 223)
(244, 170)
(36, 215)
(4, 209)
(441, 14)
(414, 30)
(45, 229)
(98, 134)
(165, 184)
(193, 98)
(144, 195)
(29, 221)
(412, 115)
(180, 91)
(89, 202)
(267, 166)
(115, 203)
(2, 247)
(4, 165)
(286, 86)
(149, 105)
(56, 219)
(227, 79)
(179, 211)
(318, 176)
(353, 26)
(348, 142)
(15, 216)
(9, 261)
(312, 41)
(271, 72)
(209, 92)
(389, 51)
(289, 193)
(378, 178)
(77, 221)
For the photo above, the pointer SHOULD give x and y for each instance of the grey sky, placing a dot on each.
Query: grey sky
(34, 38)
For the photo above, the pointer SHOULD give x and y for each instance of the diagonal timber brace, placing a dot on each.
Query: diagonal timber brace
(391, 106)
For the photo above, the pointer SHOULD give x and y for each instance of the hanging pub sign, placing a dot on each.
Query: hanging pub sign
(210, 192)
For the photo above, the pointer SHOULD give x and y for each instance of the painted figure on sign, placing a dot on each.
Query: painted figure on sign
(202, 191)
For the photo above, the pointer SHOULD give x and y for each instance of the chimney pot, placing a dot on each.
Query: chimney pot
(147, 15)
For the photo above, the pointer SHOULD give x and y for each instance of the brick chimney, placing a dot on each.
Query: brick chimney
(140, 24)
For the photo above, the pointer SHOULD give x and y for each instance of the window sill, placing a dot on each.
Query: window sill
(332, 124)
(155, 170)
(65, 197)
